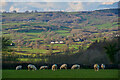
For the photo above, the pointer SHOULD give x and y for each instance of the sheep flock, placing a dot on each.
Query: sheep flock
(55, 67)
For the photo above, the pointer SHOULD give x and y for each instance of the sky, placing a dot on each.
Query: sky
(59, 0)
(56, 5)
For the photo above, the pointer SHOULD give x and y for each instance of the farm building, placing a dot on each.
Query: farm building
(52, 42)
(56, 42)
(61, 42)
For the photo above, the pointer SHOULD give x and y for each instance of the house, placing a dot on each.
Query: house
(56, 42)
(52, 42)
(61, 42)
(117, 35)
(79, 40)
(12, 44)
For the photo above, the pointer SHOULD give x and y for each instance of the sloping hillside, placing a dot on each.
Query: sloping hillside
(68, 31)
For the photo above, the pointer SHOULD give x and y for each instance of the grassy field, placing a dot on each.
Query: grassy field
(82, 73)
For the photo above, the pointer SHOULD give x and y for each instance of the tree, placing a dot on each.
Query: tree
(66, 49)
(31, 45)
(50, 51)
(111, 49)
(36, 11)
(36, 44)
(80, 49)
(5, 43)
(26, 11)
(72, 49)
(14, 11)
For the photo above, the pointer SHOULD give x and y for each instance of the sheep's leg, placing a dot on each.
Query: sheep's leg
(53, 69)
(95, 69)
(60, 68)
(33, 69)
(56, 68)
(28, 69)
(66, 68)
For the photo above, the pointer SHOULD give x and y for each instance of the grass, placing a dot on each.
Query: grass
(82, 73)
(29, 50)
(60, 45)
(64, 34)
(12, 24)
(38, 24)
(61, 31)
(106, 26)
(74, 46)
(34, 50)
(29, 59)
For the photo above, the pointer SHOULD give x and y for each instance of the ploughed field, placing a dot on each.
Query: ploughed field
(81, 73)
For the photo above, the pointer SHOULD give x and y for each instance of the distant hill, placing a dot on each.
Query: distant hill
(61, 20)
(37, 34)
(114, 5)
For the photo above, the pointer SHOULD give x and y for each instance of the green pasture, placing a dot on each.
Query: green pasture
(82, 73)
(29, 50)
(31, 59)
(61, 31)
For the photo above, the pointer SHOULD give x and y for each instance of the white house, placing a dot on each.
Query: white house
(52, 42)
(117, 35)
(56, 42)
(61, 42)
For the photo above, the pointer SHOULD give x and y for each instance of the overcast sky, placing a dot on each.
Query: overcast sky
(59, 0)
(54, 5)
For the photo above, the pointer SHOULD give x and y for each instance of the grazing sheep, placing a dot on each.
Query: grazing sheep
(64, 66)
(76, 66)
(19, 67)
(96, 67)
(102, 66)
(30, 66)
(43, 67)
(54, 67)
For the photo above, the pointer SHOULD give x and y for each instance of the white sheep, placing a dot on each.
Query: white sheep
(64, 66)
(76, 66)
(43, 67)
(96, 67)
(102, 66)
(19, 67)
(30, 66)
(54, 67)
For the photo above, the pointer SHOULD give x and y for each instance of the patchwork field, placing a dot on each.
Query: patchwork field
(57, 32)
(82, 73)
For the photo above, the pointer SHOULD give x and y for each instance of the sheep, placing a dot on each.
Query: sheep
(64, 66)
(30, 66)
(19, 67)
(76, 66)
(102, 66)
(54, 67)
(43, 67)
(96, 67)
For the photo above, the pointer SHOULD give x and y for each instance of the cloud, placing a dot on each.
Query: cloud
(108, 3)
(57, 6)
(12, 9)
(60, 0)
(75, 6)
(54, 6)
